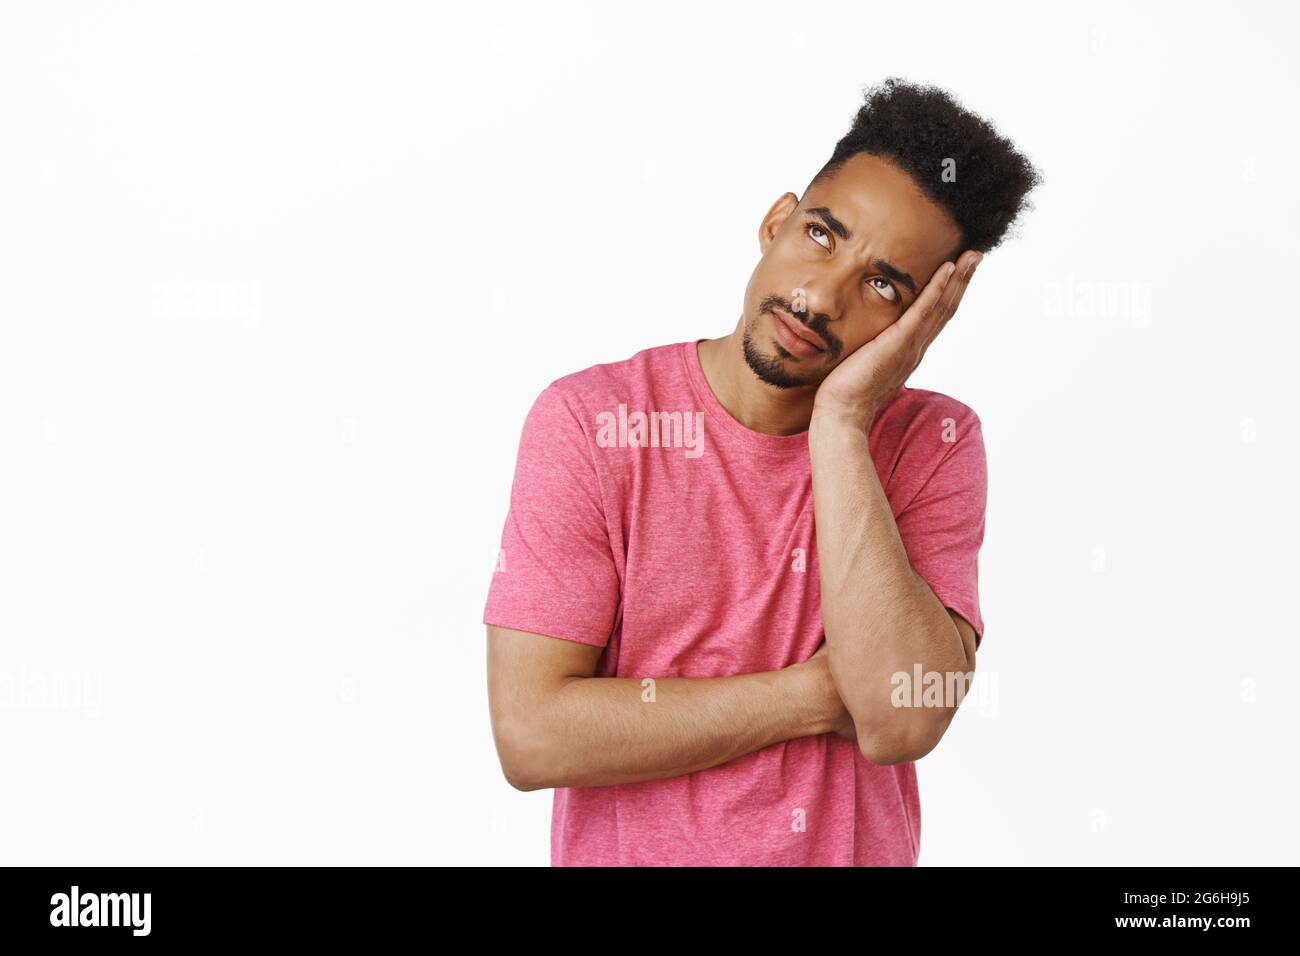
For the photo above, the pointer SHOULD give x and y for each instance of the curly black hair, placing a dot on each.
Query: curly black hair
(925, 132)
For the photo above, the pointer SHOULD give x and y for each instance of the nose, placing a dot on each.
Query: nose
(806, 302)
(798, 300)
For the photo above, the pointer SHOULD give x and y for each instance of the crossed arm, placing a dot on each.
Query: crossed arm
(880, 616)
(557, 725)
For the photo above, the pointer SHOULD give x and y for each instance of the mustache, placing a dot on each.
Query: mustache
(819, 322)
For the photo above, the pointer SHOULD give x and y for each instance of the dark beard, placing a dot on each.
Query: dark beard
(769, 370)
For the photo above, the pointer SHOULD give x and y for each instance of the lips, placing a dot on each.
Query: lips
(799, 330)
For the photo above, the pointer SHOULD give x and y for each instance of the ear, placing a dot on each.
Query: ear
(778, 214)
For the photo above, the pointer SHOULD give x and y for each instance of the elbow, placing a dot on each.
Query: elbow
(887, 752)
(520, 775)
(893, 742)
(516, 770)
(522, 753)
(521, 782)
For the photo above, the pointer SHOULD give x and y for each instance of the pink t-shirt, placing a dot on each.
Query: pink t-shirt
(685, 546)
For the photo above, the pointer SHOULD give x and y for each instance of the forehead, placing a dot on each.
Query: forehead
(886, 212)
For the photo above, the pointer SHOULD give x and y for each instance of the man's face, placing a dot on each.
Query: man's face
(861, 246)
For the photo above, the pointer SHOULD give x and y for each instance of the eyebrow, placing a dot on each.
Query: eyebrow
(833, 224)
(837, 227)
(898, 275)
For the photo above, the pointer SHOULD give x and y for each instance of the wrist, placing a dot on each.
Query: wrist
(833, 415)
(815, 690)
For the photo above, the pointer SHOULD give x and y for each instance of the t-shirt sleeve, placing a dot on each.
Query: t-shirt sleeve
(555, 572)
(943, 526)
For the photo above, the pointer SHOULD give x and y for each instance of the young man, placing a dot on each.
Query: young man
(723, 557)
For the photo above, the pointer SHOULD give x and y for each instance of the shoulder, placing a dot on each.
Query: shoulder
(913, 410)
(603, 386)
(924, 443)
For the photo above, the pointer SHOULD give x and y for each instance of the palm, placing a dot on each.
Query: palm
(872, 367)
(863, 380)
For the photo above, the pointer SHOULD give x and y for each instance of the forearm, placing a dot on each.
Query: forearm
(599, 731)
(880, 617)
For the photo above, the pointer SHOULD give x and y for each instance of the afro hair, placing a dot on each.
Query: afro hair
(957, 159)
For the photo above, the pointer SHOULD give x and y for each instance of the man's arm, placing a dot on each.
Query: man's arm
(556, 725)
(881, 618)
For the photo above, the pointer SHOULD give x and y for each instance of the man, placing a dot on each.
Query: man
(724, 558)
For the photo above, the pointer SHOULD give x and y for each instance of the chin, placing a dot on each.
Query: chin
(777, 367)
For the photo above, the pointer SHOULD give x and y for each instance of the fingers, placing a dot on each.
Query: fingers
(956, 287)
(952, 281)
(923, 309)
(939, 299)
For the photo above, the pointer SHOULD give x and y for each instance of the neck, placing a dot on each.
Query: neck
(747, 398)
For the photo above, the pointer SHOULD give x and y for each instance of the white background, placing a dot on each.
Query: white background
(279, 282)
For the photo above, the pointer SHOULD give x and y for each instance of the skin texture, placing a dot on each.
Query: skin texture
(848, 297)
(555, 724)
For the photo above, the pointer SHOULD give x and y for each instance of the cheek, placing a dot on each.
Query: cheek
(882, 322)
(781, 262)
(866, 330)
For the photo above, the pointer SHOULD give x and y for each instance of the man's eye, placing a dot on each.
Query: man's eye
(813, 225)
(887, 291)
